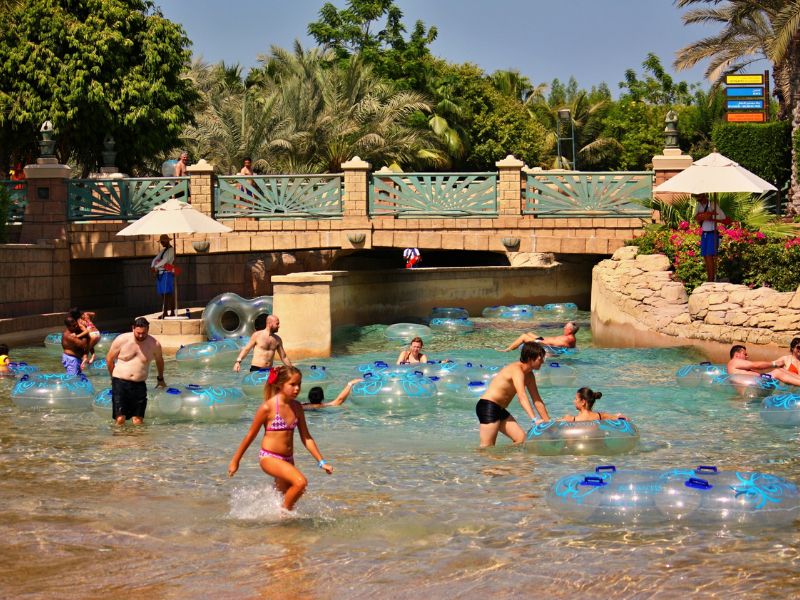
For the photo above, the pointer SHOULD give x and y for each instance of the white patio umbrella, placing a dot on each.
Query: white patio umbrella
(174, 217)
(715, 174)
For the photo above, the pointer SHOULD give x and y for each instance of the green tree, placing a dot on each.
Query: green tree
(374, 30)
(657, 87)
(93, 67)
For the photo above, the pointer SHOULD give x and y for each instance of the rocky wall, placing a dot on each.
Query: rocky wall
(638, 290)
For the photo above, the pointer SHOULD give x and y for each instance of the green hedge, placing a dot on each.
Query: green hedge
(796, 145)
(763, 148)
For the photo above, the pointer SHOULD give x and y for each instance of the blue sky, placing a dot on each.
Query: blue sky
(594, 40)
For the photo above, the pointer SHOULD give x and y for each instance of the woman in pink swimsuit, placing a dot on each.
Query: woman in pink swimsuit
(280, 414)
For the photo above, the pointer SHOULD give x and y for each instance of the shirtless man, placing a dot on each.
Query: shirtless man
(510, 380)
(180, 166)
(264, 344)
(129, 361)
(740, 365)
(74, 348)
(559, 341)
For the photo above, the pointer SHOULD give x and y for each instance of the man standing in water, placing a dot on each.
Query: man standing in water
(73, 347)
(129, 361)
(512, 379)
(264, 344)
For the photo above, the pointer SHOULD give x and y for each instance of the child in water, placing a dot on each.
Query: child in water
(584, 401)
(88, 329)
(316, 396)
(280, 415)
(4, 360)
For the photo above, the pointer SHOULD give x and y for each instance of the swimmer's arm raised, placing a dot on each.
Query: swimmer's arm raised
(525, 337)
(258, 421)
(345, 392)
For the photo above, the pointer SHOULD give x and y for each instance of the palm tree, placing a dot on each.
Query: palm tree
(586, 120)
(751, 30)
(335, 111)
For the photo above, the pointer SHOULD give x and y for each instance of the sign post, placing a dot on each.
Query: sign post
(747, 98)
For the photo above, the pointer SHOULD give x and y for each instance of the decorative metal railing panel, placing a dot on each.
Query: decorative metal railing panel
(265, 196)
(433, 194)
(121, 199)
(18, 191)
(582, 194)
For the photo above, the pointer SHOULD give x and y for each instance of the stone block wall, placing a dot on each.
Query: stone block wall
(34, 280)
(638, 290)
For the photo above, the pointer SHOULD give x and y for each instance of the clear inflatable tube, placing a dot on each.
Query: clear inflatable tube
(53, 342)
(460, 326)
(449, 312)
(244, 314)
(405, 332)
(53, 391)
(606, 436)
(198, 403)
(702, 496)
(219, 352)
(781, 410)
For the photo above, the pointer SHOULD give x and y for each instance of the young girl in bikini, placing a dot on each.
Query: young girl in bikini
(280, 415)
(584, 401)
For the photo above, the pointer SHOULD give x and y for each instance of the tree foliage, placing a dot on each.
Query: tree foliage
(93, 67)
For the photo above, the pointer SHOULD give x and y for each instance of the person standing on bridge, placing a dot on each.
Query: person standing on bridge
(412, 257)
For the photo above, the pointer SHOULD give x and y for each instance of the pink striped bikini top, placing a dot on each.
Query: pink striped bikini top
(278, 423)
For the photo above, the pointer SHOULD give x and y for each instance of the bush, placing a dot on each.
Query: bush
(763, 148)
(745, 257)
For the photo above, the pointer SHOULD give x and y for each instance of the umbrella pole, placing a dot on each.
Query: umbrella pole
(175, 276)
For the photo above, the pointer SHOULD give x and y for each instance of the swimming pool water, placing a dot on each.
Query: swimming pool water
(413, 509)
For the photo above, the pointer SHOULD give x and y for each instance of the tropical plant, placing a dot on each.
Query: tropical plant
(749, 211)
(753, 30)
(93, 69)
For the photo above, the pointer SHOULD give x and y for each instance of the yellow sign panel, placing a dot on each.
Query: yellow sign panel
(754, 117)
(744, 79)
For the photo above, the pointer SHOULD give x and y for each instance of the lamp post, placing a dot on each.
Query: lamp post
(564, 118)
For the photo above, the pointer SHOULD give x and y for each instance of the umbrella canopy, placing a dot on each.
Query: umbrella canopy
(174, 216)
(715, 174)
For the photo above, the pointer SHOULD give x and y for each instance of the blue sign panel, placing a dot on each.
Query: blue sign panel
(749, 92)
(746, 104)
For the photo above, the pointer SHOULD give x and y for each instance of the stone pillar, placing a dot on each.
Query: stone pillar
(666, 166)
(356, 226)
(46, 214)
(201, 186)
(355, 202)
(509, 190)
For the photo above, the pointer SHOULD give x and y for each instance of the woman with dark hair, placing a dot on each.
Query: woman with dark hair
(584, 402)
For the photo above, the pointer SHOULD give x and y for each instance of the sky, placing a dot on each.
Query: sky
(593, 40)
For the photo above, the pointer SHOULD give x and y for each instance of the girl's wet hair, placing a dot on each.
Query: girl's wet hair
(417, 339)
(794, 343)
(278, 376)
(589, 396)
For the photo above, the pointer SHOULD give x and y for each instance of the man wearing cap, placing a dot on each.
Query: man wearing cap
(161, 267)
(129, 361)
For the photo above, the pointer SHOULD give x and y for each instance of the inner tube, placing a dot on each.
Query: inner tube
(750, 387)
(53, 342)
(781, 410)
(394, 390)
(606, 436)
(704, 495)
(221, 352)
(406, 332)
(460, 326)
(231, 316)
(53, 391)
(449, 312)
(699, 374)
(556, 373)
(197, 403)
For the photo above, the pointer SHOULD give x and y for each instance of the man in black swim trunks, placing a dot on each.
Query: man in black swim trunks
(129, 361)
(513, 379)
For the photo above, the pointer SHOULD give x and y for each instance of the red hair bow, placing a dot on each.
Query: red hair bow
(273, 376)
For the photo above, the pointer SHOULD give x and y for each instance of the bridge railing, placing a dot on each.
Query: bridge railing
(433, 194)
(265, 196)
(583, 194)
(18, 192)
(121, 199)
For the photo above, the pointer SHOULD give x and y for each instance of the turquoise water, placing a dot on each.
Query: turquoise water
(413, 508)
